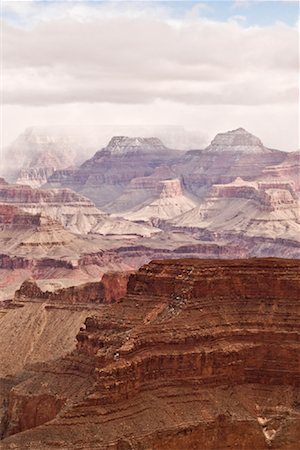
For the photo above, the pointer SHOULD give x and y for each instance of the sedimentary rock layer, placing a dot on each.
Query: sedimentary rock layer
(38, 325)
(200, 354)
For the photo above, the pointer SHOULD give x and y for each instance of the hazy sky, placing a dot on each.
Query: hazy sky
(209, 66)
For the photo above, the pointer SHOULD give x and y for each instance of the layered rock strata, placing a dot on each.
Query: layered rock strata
(236, 153)
(75, 212)
(170, 201)
(38, 325)
(198, 354)
(252, 209)
(39, 247)
(111, 288)
(104, 177)
(289, 169)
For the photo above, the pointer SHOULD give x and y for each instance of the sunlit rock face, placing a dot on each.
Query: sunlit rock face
(198, 353)
(232, 154)
(75, 212)
(288, 170)
(104, 177)
(167, 201)
(122, 145)
(239, 140)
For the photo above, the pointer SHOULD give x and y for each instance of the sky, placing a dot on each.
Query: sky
(209, 66)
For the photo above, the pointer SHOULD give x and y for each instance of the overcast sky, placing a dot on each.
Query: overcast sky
(209, 66)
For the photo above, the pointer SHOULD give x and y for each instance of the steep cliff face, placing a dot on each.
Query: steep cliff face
(199, 353)
(74, 211)
(251, 209)
(104, 177)
(233, 154)
(238, 140)
(39, 325)
(168, 202)
(289, 169)
(11, 215)
(111, 288)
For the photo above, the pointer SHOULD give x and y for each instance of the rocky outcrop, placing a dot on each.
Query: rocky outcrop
(196, 353)
(238, 140)
(170, 201)
(40, 325)
(11, 215)
(75, 212)
(25, 195)
(169, 188)
(111, 288)
(104, 177)
(288, 170)
(230, 155)
(269, 195)
(248, 209)
(122, 144)
(114, 285)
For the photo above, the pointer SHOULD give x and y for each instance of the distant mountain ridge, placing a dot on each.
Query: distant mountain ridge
(238, 140)
(124, 144)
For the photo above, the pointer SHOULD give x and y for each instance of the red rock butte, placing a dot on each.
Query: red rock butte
(199, 354)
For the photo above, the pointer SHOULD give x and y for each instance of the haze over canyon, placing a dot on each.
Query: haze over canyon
(149, 225)
(75, 237)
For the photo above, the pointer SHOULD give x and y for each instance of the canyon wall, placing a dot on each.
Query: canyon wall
(198, 354)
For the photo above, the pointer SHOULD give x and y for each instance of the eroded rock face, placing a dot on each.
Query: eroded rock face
(248, 209)
(104, 177)
(233, 154)
(169, 188)
(38, 325)
(111, 288)
(74, 211)
(289, 169)
(239, 140)
(11, 215)
(169, 201)
(124, 144)
(199, 353)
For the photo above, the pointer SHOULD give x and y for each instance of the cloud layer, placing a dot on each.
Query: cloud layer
(142, 56)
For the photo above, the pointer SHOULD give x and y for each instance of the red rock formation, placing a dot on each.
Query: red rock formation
(199, 354)
(19, 194)
(114, 285)
(10, 215)
(111, 288)
(169, 188)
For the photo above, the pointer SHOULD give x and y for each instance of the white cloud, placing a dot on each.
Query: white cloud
(139, 59)
(125, 60)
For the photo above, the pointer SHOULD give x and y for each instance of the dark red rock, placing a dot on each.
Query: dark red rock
(198, 354)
